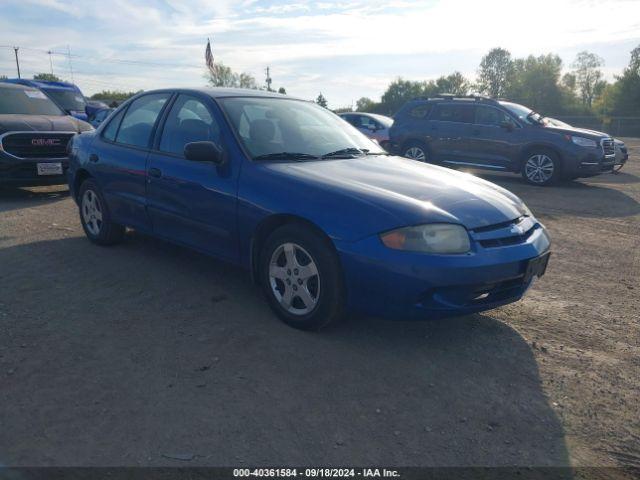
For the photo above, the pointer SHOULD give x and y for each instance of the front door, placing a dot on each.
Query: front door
(193, 203)
(494, 138)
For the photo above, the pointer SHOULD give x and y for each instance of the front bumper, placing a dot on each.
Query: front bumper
(24, 172)
(403, 285)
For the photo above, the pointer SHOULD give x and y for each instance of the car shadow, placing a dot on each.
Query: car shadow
(591, 197)
(15, 198)
(135, 354)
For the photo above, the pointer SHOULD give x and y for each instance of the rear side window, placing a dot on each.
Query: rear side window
(138, 122)
(454, 113)
(111, 129)
(421, 111)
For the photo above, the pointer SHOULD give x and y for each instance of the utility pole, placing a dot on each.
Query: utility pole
(268, 80)
(15, 49)
(70, 65)
(50, 61)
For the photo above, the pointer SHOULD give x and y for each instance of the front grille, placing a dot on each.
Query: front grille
(608, 147)
(36, 144)
(502, 234)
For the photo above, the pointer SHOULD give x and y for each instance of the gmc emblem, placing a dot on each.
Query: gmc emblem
(45, 142)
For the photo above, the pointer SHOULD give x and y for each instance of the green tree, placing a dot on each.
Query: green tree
(536, 83)
(455, 83)
(365, 104)
(495, 73)
(320, 100)
(47, 77)
(222, 76)
(3, 77)
(114, 96)
(401, 91)
(282, 91)
(625, 93)
(588, 76)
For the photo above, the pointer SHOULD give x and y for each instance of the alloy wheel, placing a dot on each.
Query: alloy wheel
(415, 153)
(539, 168)
(294, 279)
(92, 212)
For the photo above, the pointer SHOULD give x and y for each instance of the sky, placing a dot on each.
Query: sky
(346, 50)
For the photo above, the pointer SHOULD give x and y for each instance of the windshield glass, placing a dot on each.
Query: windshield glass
(523, 113)
(268, 126)
(26, 102)
(67, 99)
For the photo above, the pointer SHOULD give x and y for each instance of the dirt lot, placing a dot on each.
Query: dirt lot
(149, 354)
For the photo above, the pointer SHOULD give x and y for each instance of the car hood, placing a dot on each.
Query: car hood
(41, 123)
(583, 132)
(406, 192)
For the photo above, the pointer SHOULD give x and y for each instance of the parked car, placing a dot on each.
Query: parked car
(322, 217)
(371, 124)
(34, 133)
(498, 135)
(93, 107)
(100, 116)
(66, 95)
(622, 154)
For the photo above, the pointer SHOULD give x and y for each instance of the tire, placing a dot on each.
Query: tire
(417, 151)
(95, 216)
(541, 167)
(301, 277)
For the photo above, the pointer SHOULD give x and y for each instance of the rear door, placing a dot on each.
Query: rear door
(190, 202)
(494, 138)
(450, 126)
(119, 157)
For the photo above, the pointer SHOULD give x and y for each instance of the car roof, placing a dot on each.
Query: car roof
(43, 84)
(15, 86)
(223, 92)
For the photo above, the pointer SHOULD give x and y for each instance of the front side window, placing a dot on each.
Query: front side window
(189, 121)
(421, 111)
(491, 116)
(454, 113)
(27, 101)
(267, 126)
(141, 116)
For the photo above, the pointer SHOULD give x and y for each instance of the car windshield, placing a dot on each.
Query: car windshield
(68, 99)
(28, 101)
(275, 128)
(524, 114)
(385, 121)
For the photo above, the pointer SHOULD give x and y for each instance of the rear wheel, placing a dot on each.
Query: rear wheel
(95, 216)
(301, 277)
(416, 151)
(541, 167)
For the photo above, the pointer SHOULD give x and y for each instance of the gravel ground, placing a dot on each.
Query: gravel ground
(149, 354)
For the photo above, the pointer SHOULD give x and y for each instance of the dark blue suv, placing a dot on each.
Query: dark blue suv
(498, 135)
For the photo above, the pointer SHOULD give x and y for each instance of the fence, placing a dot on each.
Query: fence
(614, 126)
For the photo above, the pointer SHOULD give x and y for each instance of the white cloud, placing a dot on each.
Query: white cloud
(304, 42)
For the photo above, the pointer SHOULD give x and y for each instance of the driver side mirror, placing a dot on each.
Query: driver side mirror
(204, 152)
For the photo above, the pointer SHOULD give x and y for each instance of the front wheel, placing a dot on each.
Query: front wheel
(95, 216)
(541, 168)
(301, 277)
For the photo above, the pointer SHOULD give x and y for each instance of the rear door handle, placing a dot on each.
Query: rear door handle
(155, 172)
(93, 158)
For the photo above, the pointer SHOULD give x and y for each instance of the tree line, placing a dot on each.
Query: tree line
(535, 81)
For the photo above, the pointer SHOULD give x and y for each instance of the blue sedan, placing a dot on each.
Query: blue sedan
(322, 217)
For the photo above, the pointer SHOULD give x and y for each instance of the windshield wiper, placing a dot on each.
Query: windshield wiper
(286, 156)
(346, 152)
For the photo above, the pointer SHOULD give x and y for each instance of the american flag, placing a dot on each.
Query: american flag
(208, 56)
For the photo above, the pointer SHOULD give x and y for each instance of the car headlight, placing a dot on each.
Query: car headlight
(584, 142)
(430, 238)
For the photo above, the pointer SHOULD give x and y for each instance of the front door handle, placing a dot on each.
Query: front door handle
(155, 172)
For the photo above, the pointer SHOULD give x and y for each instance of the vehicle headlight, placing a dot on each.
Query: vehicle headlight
(430, 238)
(584, 142)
